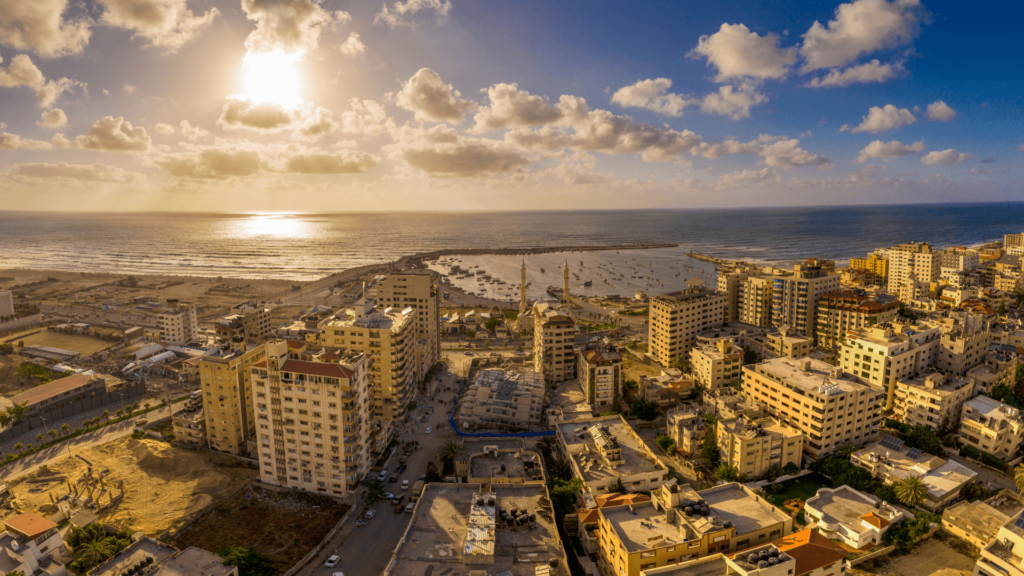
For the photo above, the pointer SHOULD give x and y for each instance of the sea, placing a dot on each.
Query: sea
(296, 246)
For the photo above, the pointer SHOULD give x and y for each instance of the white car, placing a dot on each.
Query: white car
(427, 431)
(405, 484)
(332, 561)
(369, 514)
(389, 496)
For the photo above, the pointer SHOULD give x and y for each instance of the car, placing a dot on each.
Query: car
(468, 353)
(398, 500)
(399, 508)
(409, 507)
(405, 484)
(388, 496)
(427, 431)
(495, 354)
(332, 561)
(393, 479)
(382, 476)
(369, 514)
(400, 469)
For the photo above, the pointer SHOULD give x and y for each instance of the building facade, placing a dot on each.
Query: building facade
(676, 319)
(885, 353)
(912, 261)
(599, 371)
(178, 324)
(795, 298)
(554, 336)
(991, 426)
(226, 383)
(716, 365)
(754, 446)
(842, 311)
(417, 290)
(934, 400)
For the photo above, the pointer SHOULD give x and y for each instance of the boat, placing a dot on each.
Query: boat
(588, 283)
(541, 270)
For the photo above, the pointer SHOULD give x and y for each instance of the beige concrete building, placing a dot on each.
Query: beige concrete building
(729, 280)
(932, 400)
(796, 297)
(911, 261)
(717, 365)
(676, 319)
(679, 524)
(991, 426)
(189, 423)
(226, 382)
(999, 368)
(687, 428)
(845, 310)
(178, 324)
(416, 289)
(314, 420)
(891, 461)
(31, 544)
(964, 343)
(830, 407)
(665, 389)
(850, 516)
(248, 321)
(872, 264)
(975, 522)
(1002, 556)
(789, 343)
(1011, 240)
(885, 353)
(604, 450)
(599, 371)
(754, 446)
(554, 334)
(755, 300)
(960, 258)
(6, 305)
(503, 400)
(495, 465)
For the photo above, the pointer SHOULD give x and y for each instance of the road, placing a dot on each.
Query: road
(365, 551)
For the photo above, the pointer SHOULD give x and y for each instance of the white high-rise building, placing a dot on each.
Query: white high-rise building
(796, 297)
(179, 324)
(912, 261)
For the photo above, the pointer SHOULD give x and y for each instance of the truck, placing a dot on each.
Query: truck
(417, 489)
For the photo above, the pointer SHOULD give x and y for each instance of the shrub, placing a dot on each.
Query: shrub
(665, 443)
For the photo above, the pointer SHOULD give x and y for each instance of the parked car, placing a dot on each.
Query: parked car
(332, 561)
(398, 500)
(409, 507)
(382, 476)
(393, 479)
(405, 484)
(400, 469)
(427, 431)
(399, 508)
(369, 514)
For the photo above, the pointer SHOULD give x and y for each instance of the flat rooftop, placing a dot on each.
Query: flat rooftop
(992, 410)
(944, 384)
(978, 519)
(817, 375)
(194, 561)
(144, 548)
(636, 457)
(504, 465)
(436, 538)
(684, 295)
(848, 507)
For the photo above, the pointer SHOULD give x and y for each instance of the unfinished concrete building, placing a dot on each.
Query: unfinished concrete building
(503, 399)
(604, 450)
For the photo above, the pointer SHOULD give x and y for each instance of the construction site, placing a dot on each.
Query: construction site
(503, 399)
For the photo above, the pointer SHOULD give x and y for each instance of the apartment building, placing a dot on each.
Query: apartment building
(554, 334)
(226, 382)
(178, 324)
(1003, 555)
(911, 261)
(677, 317)
(605, 450)
(247, 321)
(753, 446)
(1011, 240)
(999, 368)
(890, 461)
(686, 427)
(786, 342)
(729, 281)
(830, 407)
(991, 426)
(599, 371)
(933, 400)
(716, 365)
(756, 303)
(845, 310)
(872, 264)
(960, 258)
(680, 524)
(388, 336)
(417, 290)
(6, 304)
(795, 298)
(314, 419)
(964, 343)
(885, 353)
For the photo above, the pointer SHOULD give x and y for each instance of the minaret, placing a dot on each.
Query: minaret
(524, 323)
(522, 289)
(565, 287)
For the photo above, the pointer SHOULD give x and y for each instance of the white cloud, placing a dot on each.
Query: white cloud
(744, 178)
(353, 46)
(289, 26)
(653, 95)
(403, 14)
(109, 134)
(730, 147)
(22, 72)
(787, 154)
(164, 128)
(939, 111)
(307, 122)
(191, 132)
(881, 120)
(39, 25)
(166, 24)
(888, 150)
(81, 172)
(14, 142)
(945, 158)
(739, 53)
(431, 99)
(576, 175)
(860, 27)
(319, 162)
(366, 117)
(510, 107)
(211, 163)
(440, 151)
(54, 118)
(872, 71)
(733, 102)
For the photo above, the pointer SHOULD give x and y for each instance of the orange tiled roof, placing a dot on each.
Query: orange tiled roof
(30, 524)
(294, 344)
(811, 550)
(875, 520)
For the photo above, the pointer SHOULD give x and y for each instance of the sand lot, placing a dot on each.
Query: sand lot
(86, 345)
(930, 558)
(163, 483)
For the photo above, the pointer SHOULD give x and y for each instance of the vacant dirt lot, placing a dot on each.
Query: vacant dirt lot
(930, 558)
(162, 483)
(86, 345)
(283, 526)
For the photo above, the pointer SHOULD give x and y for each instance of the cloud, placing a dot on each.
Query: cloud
(211, 163)
(39, 25)
(431, 99)
(109, 134)
(353, 46)
(22, 72)
(510, 107)
(366, 117)
(341, 162)
(888, 150)
(939, 111)
(402, 14)
(653, 95)
(191, 132)
(576, 175)
(881, 120)
(860, 27)
(945, 158)
(787, 154)
(872, 71)
(81, 172)
(748, 177)
(166, 24)
(14, 142)
(307, 122)
(289, 26)
(730, 147)
(739, 53)
(53, 119)
(440, 151)
(732, 102)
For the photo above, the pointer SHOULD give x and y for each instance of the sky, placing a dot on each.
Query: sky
(456, 105)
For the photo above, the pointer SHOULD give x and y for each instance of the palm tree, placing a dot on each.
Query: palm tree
(96, 551)
(146, 405)
(129, 409)
(20, 448)
(1018, 477)
(53, 433)
(847, 450)
(911, 490)
(106, 414)
(119, 413)
(65, 428)
(40, 437)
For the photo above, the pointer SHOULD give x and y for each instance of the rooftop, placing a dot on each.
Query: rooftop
(679, 296)
(940, 476)
(636, 458)
(517, 464)
(812, 376)
(846, 506)
(194, 562)
(978, 519)
(134, 554)
(55, 388)
(29, 524)
(988, 411)
(936, 383)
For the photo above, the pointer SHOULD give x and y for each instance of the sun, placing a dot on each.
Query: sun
(272, 77)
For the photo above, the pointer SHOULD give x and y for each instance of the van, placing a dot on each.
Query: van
(382, 476)
(417, 489)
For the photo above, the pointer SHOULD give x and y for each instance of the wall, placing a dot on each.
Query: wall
(85, 404)
(21, 322)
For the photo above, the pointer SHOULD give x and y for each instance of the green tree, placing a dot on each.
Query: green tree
(128, 409)
(95, 551)
(119, 413)
(470, 334)
(682, 364)
(617, 404)
(1018, 477)
(14, 573)
(1002, 309)
(911, 490)
(65, 428)
(249, 562)
(20, 448)
(563, 495)
(727, 473)
(710, 447)
(53, 433)
(106, 414)
(492, 324)
(618, 486)
(432, 474)
(847, 450)
(749, 356)
(644, 410)
(790, 469)
(666, 443)
(17, 411)
(412, 405)
(41, 437)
